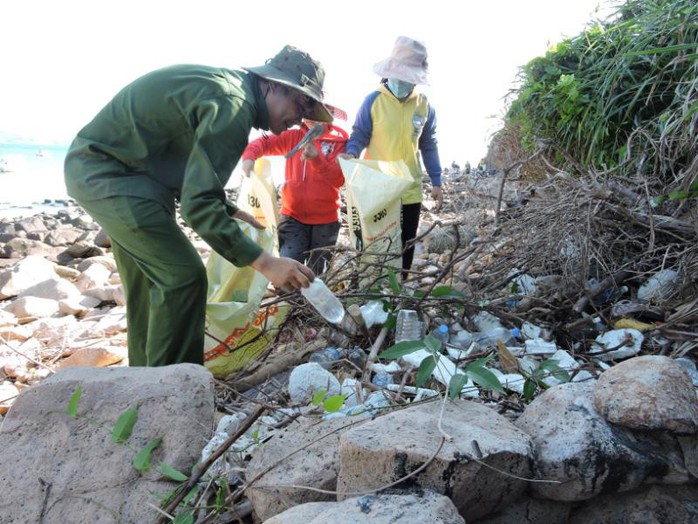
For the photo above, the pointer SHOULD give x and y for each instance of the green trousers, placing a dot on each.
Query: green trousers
(164, 280)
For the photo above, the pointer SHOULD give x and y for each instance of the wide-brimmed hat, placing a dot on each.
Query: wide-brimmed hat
(297, 69)
(408, 62)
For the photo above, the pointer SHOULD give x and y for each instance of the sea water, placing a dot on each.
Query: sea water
(31, 179)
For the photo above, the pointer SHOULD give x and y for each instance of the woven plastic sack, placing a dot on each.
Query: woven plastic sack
(239, 327)
(257, 196)
(373, 194)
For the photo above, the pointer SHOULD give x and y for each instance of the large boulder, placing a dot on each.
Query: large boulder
(303, 454)
(385, 508)
(463, 450)
(59, 468)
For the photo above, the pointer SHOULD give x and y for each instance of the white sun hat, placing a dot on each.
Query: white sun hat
(408, 62)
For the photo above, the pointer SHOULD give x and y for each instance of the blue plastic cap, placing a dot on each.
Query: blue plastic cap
(443, 328)
(515, 332)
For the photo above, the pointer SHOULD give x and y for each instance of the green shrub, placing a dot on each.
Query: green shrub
(624, 93)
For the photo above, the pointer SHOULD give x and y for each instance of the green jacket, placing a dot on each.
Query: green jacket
(174, 134)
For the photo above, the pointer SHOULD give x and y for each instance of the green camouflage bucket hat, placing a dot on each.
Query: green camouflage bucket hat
(297, 69)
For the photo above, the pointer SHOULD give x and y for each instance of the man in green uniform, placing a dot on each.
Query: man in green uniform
(172, 135)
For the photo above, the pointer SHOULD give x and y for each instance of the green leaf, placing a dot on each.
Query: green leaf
(484, 377)
(432, 344)
(549, 364)
(446, 291)
(186, 517)
(171, 473)
(456, 385)
(191, 496)
(394, 284)
(425, 368)
(124, 426)
(529, 389)
(481, 362)
(219, 502)
(334, 403)
(561, 374)
(142, 460)
(552, 366)
(678, 195)
(73, 404)
(318, 397)
(401, 349)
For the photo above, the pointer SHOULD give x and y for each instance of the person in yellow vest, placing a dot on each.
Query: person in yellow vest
(396, 122)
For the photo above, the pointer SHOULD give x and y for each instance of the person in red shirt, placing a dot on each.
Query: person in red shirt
(310, 202)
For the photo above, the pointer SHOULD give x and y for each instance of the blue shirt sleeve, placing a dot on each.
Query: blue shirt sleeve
(429, 148)
(362, 129)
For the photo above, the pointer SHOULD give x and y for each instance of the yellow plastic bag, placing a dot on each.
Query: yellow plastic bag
(257, 196)
(373, 193)
(235, 314)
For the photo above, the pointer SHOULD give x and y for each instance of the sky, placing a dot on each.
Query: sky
(61, 61)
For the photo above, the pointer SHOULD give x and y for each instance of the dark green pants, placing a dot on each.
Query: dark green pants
(164, 280)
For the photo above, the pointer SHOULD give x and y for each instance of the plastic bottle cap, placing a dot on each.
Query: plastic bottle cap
(443, 328)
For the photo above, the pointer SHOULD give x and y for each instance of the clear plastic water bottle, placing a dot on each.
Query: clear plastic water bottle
(324, 301)
(490, 337)
(463, 338)
(408, 326)
(441, 333)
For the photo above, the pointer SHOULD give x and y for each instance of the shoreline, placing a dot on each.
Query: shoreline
(11, 212)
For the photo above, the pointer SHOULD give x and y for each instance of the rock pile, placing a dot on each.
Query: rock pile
(603, 427)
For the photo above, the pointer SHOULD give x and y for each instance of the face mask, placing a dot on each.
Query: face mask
(399, 88)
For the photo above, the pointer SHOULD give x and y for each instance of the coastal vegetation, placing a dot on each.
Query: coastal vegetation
(620, 98)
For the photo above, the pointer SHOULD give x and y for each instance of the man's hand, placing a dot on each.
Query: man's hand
(438, 195)
(248, 167)
(246, 217)
(284, 273)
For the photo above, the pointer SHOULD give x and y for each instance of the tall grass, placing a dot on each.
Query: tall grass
(623, 94)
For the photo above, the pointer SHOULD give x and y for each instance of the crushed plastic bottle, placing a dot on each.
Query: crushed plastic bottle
(463, 338)
(408, 326)
(441, 333)
(357, 356)
(324, 301)
(332, 353)
(381, 379)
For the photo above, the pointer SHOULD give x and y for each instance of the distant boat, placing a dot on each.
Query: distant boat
(4, 168)
(40, 152)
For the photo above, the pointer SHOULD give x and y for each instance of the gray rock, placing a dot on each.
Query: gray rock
(24, 274)
(529, 510)
(66, 469)
(662, 395)
(650, 505)
(307, 379)
(388, 448)
(316, 464)
(385, 508)
(577, 448)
